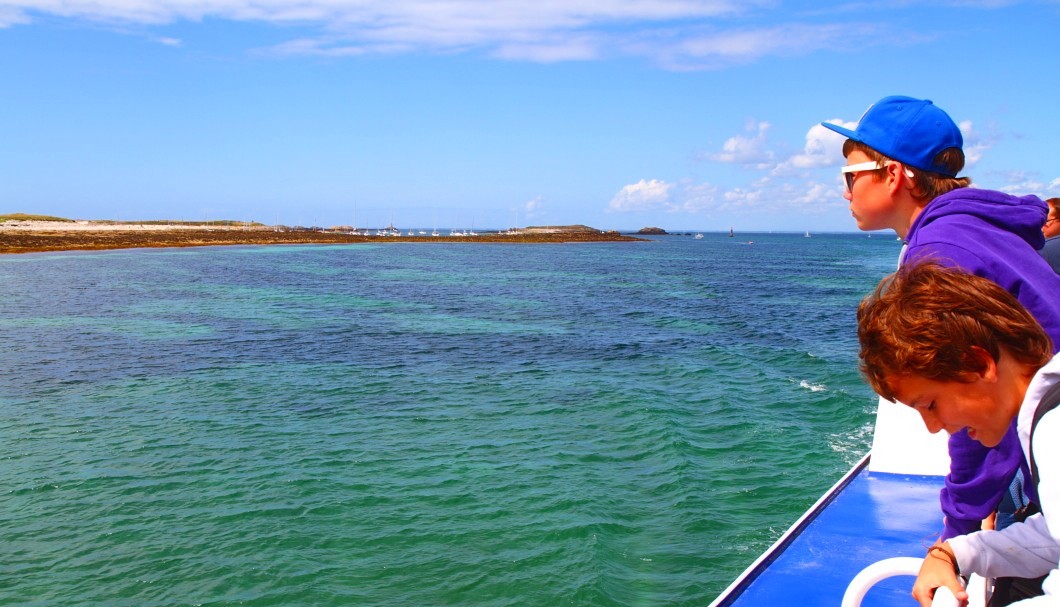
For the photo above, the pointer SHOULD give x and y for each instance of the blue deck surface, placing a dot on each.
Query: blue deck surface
(874, 517)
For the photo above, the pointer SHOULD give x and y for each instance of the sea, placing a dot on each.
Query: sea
(593, 424)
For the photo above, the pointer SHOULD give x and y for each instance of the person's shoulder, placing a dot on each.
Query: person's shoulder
(967, 219)
(952, 252)
(1052, 245)
(984, 202)
(1051, 252)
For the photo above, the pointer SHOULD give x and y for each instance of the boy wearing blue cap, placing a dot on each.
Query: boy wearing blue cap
(903, 161)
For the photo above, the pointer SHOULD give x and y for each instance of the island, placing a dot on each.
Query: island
(24, 233)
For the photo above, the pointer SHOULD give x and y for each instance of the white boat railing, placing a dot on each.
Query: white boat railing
(907, 565)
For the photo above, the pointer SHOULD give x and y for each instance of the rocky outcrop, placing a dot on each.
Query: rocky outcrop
(27, 241)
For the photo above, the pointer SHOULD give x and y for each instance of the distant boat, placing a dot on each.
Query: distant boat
(731, 233)
(807, 234)
(698, 236)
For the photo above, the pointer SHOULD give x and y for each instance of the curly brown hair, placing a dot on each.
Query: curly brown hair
(924, 319)
(926, 185)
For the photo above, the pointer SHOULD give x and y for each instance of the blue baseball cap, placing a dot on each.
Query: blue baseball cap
(911, 131)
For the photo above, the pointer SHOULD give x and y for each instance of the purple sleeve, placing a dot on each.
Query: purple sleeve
(979, 477)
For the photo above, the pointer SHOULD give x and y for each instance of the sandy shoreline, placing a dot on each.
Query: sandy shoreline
(32, 236)
(82, 225)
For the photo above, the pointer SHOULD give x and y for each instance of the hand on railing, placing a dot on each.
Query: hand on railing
(902, 565)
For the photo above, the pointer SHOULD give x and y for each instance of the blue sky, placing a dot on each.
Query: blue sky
(618, 114)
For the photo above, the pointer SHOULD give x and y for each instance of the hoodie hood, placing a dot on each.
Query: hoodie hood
(1022, 216)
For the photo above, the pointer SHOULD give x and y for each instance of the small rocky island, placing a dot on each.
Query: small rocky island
(22, 233)
(652, 231)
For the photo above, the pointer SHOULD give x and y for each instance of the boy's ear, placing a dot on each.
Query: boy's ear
(977, 357)
(898, 177)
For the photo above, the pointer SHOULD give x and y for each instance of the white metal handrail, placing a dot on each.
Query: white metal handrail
(901, 565)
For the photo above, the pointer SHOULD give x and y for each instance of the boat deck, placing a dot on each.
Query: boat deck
(867, 517)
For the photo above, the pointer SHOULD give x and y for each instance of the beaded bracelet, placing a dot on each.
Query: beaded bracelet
(952, 558)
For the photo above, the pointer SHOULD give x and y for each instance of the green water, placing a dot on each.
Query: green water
(605, 424)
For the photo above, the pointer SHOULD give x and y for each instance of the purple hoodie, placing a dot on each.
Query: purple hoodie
(996, 236)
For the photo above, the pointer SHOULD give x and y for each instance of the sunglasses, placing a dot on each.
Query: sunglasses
(848, 172)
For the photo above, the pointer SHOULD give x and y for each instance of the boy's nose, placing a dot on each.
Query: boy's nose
(933, 424)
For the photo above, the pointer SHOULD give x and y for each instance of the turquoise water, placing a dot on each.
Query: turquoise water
(601, 424)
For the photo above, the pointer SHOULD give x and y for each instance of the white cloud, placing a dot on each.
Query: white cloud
(815, 197)
(678, 34)
(1021, 183)
(551, 49)
(749, 150)
(532, 208)
(320, 48)
(429, 21)
(467, 15)
(706, 47)
(743, 198)
(784, 198)
(752, 43)
(767, 196)
(642, 196)
(974, 144)
(697, 198)
(12, 16)
(823, 147)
